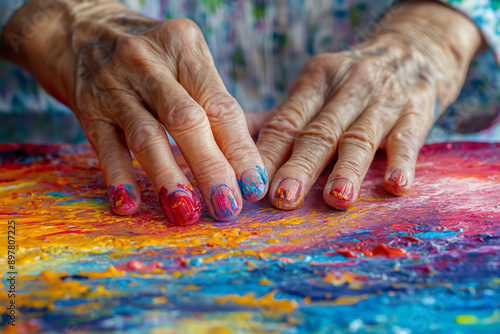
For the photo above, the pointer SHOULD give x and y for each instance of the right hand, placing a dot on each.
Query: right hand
(126, 76)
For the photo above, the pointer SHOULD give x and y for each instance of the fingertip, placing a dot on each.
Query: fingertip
(225, 204)
(288, 194)
(342, 194)
(397, 181)
(181, 206)
(124, 200)
(253, 184)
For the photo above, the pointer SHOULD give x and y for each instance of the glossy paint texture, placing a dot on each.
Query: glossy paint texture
(223, 201)
(253, 182)
(121, 197)
(182, 206)
(424, 262)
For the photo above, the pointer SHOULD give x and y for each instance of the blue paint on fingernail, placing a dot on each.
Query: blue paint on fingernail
(253, 183)
(223, 201)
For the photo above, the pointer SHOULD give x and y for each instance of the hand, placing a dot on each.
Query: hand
(384, 93)
(126, 77)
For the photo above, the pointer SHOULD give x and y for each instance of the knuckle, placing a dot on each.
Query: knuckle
(303, 165)
(366, 65)
(184, 115)
(319, 61)
(281, 128)
(222, 108)
(352, 167)
(325, 132)
(308, 161)
(404, 145)
(367, 70)
(142, 134)
(130, 49)
(362, 138)
(402, 137)
(94, 134)
(209, 165)
(237, 151)
(288, 121)
(97, 132)
(185, 27)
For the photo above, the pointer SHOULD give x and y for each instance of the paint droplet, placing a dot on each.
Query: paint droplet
(413, 239)
(467, 319)
(265, 281)
(383, 249)
(342, 251)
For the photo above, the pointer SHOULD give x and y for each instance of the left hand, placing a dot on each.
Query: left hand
(385, 93)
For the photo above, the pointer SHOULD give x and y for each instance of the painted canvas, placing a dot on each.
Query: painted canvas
(428, 261)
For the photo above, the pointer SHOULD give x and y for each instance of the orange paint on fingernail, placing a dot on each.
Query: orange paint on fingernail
(343, 188)
(288, 194)
(399, 178)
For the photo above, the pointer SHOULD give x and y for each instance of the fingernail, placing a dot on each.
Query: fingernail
(181, 207)
(398, 177)
(343, 188)
(288, 193)
(253, 183)
(121, 197)
(223, 201)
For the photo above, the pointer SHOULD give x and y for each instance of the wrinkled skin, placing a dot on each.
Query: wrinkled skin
(385, 93)
(127, 76)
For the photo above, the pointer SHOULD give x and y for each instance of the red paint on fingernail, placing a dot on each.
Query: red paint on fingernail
(181, 207)
(398, 177)
(122, 197)
(343, 188)
(289, 194)
(224, 202)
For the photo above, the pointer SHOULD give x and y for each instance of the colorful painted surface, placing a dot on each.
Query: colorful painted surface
(427, 261)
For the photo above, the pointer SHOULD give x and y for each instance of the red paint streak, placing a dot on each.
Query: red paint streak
(384, 250)
(181, 261)
(136, 265)
(63, 232)
(121, 198)
(407, 237)
(347, 253)
(181, 207)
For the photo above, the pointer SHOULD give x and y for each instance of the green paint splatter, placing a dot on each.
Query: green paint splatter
(212, 5)
(259, 11)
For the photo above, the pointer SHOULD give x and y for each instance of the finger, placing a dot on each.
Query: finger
(116, 166)
(256, 121)
(315, 147)
(356, 151)
(276, 138)
(148, 141)
(403, 145)
(188, 125)
(228, 124)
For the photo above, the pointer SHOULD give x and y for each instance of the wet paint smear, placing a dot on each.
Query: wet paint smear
(122, 196)
(182, 206)
(427, 261)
